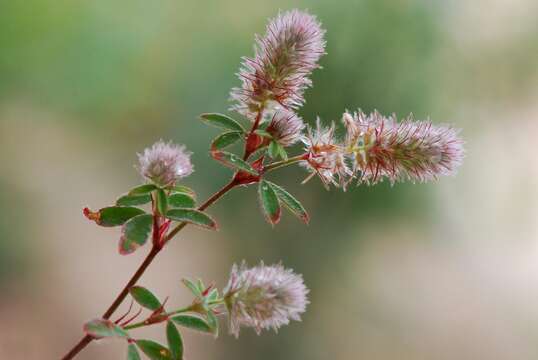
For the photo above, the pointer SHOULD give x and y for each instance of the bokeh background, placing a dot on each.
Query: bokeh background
(447, 270)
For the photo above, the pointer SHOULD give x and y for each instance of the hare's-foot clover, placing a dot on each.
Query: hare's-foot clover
(272, 89)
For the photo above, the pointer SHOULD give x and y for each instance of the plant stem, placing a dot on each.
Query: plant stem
(165, 315)
(142, 268)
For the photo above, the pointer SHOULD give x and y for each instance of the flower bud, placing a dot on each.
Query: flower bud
(165, 163)
(286, 127)
(264, 297)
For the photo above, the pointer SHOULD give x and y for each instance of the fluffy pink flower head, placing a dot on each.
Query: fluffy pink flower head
(286, 127)
(325, 157)
(165, 163)
(284, 58)
(264, 297)
(410, 150)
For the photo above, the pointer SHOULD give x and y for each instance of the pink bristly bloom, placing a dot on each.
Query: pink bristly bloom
(264, 297)
(381, 147)
(286, 127)
(325, 157)
(165, 163)
(284, 58)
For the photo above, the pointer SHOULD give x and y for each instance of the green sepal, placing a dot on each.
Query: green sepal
(192, 287)
(154, 350)
(269, 202)
(181, 200)
(115, 215)
(213, 295)
(275, 150)
(134, 233)
(290, 202)
(142, 189)
(100, 328)
(221, 121)
(161, 201)
(145, 298)
(132, 353)
(175, 343)
(133, 200)
(192, 322)
(192, 216)
(233, 161)
(213, 323)
(226, 139)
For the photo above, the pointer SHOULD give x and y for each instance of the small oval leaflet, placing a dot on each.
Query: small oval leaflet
(145, 298)
(135, 233)
(154, 350)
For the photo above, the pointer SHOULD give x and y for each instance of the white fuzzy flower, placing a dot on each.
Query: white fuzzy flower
(165, 163)
(286, 127)
(264, 297)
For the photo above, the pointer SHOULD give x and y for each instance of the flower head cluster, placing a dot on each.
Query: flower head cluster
(286, 127)
(264, 297)
(165, 163)
(284, 58)
(377, 147)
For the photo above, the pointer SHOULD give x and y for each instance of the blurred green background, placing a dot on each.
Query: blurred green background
(447, 270)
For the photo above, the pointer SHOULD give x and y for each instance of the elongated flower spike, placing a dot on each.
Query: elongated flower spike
(165, 163)
(284, 58)
(264, 297)
(286, 127)
(380, 147)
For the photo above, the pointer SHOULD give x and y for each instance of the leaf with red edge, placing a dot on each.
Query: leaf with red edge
(145, 297)
(192, 216)
(290, 202)
(233, 161)
(135, 233)
(269, 203)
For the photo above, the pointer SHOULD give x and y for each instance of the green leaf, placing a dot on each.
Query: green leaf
(221, 121)
(263, 133)
(226, 139)
(192, 287)
(154, 350)
(175, 343)
(213, 323)
(233, 161)
(192, 322)
(290, 202)
(269, 202)
(184, 190)
(117, 215)
(275, 150)
(134, 233)
(104, 328)
(132, 353)
(192, 216)
(142, 189)
(181, 200)
(162, 201)
(145, 297)
(133, 200)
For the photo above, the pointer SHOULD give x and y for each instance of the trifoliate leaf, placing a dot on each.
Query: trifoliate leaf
(154, 350)
(269, 202)
(145, 298)
(233, 161)
(135, 232)
(290, 202)
(221, 121)
(192, 216)
(104, 328)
